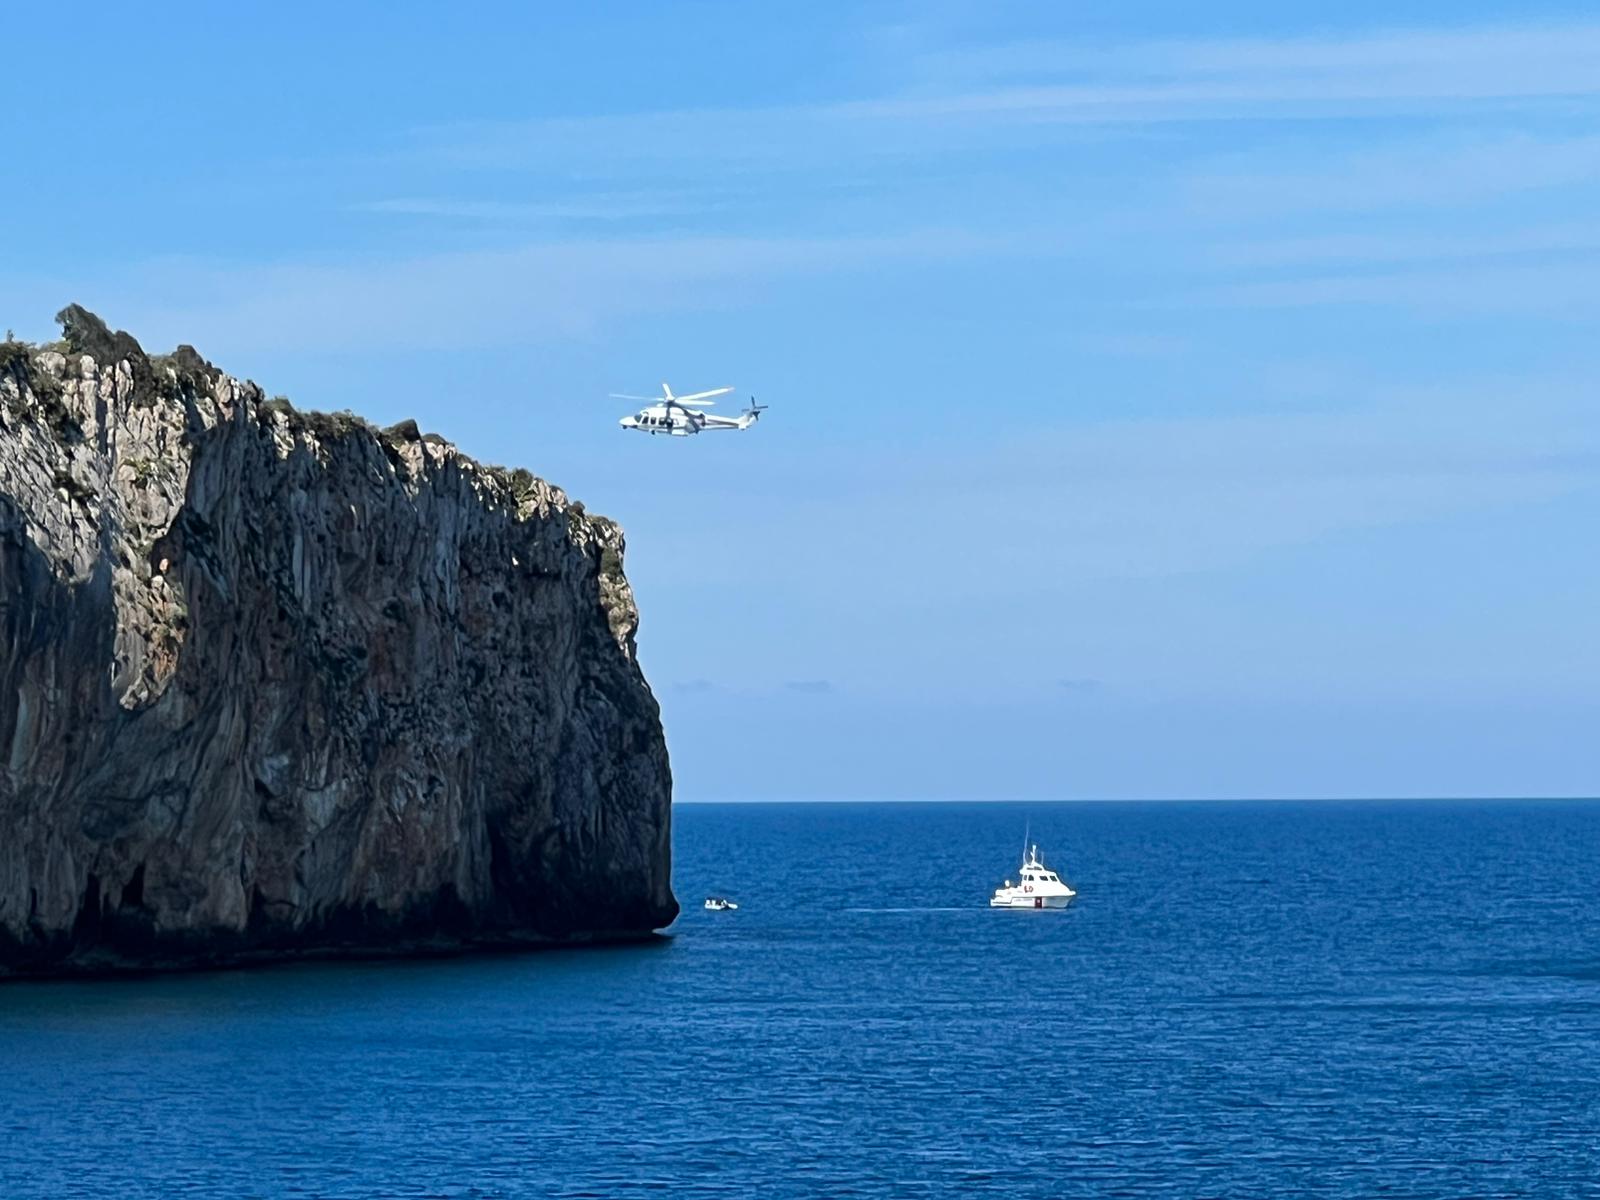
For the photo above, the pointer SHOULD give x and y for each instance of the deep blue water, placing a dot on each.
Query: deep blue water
(1246, 999)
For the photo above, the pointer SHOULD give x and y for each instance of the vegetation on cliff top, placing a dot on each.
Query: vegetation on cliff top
(185, 375)
(19, 361)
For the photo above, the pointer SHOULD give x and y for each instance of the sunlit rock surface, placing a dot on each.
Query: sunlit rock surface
(275, 683)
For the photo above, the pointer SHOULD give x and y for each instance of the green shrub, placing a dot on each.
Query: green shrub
(181, 375)
(15, 355)
(20, 360)
(403, 431)
(332, 425)
(278, 404)
(84, 333)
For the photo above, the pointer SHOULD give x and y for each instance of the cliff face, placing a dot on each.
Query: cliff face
(274, 682)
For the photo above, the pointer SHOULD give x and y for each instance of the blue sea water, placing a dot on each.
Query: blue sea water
(1246, 999)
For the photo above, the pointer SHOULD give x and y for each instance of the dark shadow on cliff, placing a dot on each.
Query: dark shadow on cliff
(395, 958)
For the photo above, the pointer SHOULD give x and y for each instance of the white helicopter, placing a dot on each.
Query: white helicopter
(679, 416)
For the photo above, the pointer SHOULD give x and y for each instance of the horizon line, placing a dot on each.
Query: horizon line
(1473, 799)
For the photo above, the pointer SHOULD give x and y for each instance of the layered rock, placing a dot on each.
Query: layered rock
(279, 683)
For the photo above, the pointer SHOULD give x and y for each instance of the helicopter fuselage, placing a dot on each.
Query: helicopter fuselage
(675, 420)
(663, 418)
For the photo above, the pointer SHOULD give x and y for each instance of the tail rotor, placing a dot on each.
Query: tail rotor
(752, 414)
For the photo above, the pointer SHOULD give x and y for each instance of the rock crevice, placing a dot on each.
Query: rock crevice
(278, 682)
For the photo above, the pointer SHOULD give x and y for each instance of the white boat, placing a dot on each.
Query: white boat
(720, 904)
(1037, 886)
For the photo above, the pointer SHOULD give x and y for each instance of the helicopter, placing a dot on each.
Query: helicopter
(680, 416)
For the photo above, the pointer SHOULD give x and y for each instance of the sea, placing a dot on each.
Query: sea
(1246, 999)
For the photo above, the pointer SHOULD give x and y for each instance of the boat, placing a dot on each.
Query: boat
(1037, 886)
(720, 904)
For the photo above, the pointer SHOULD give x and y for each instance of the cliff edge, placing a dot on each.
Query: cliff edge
(276, 683)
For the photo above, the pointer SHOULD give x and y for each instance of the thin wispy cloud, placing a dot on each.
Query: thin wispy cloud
(1163, 498)
(965, 93)
(964, 110)
(940, 163)
(809, 687)
(1400, 66)
(1564, 290)
(1404, 173)
(587, 208)
(528, 292)
(1409, 242)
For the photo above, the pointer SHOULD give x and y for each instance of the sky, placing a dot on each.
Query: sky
(1167, 400)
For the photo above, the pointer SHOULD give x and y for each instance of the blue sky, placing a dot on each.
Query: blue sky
(1168, 400)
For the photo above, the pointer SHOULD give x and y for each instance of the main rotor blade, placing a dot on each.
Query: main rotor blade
(625, 396)
(703, 395)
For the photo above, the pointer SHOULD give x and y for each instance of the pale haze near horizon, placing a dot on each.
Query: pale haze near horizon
(1176, 402)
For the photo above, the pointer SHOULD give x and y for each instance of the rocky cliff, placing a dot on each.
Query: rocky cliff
(275, 682)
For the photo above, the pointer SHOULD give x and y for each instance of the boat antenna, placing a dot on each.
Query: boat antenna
(1027, 830)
